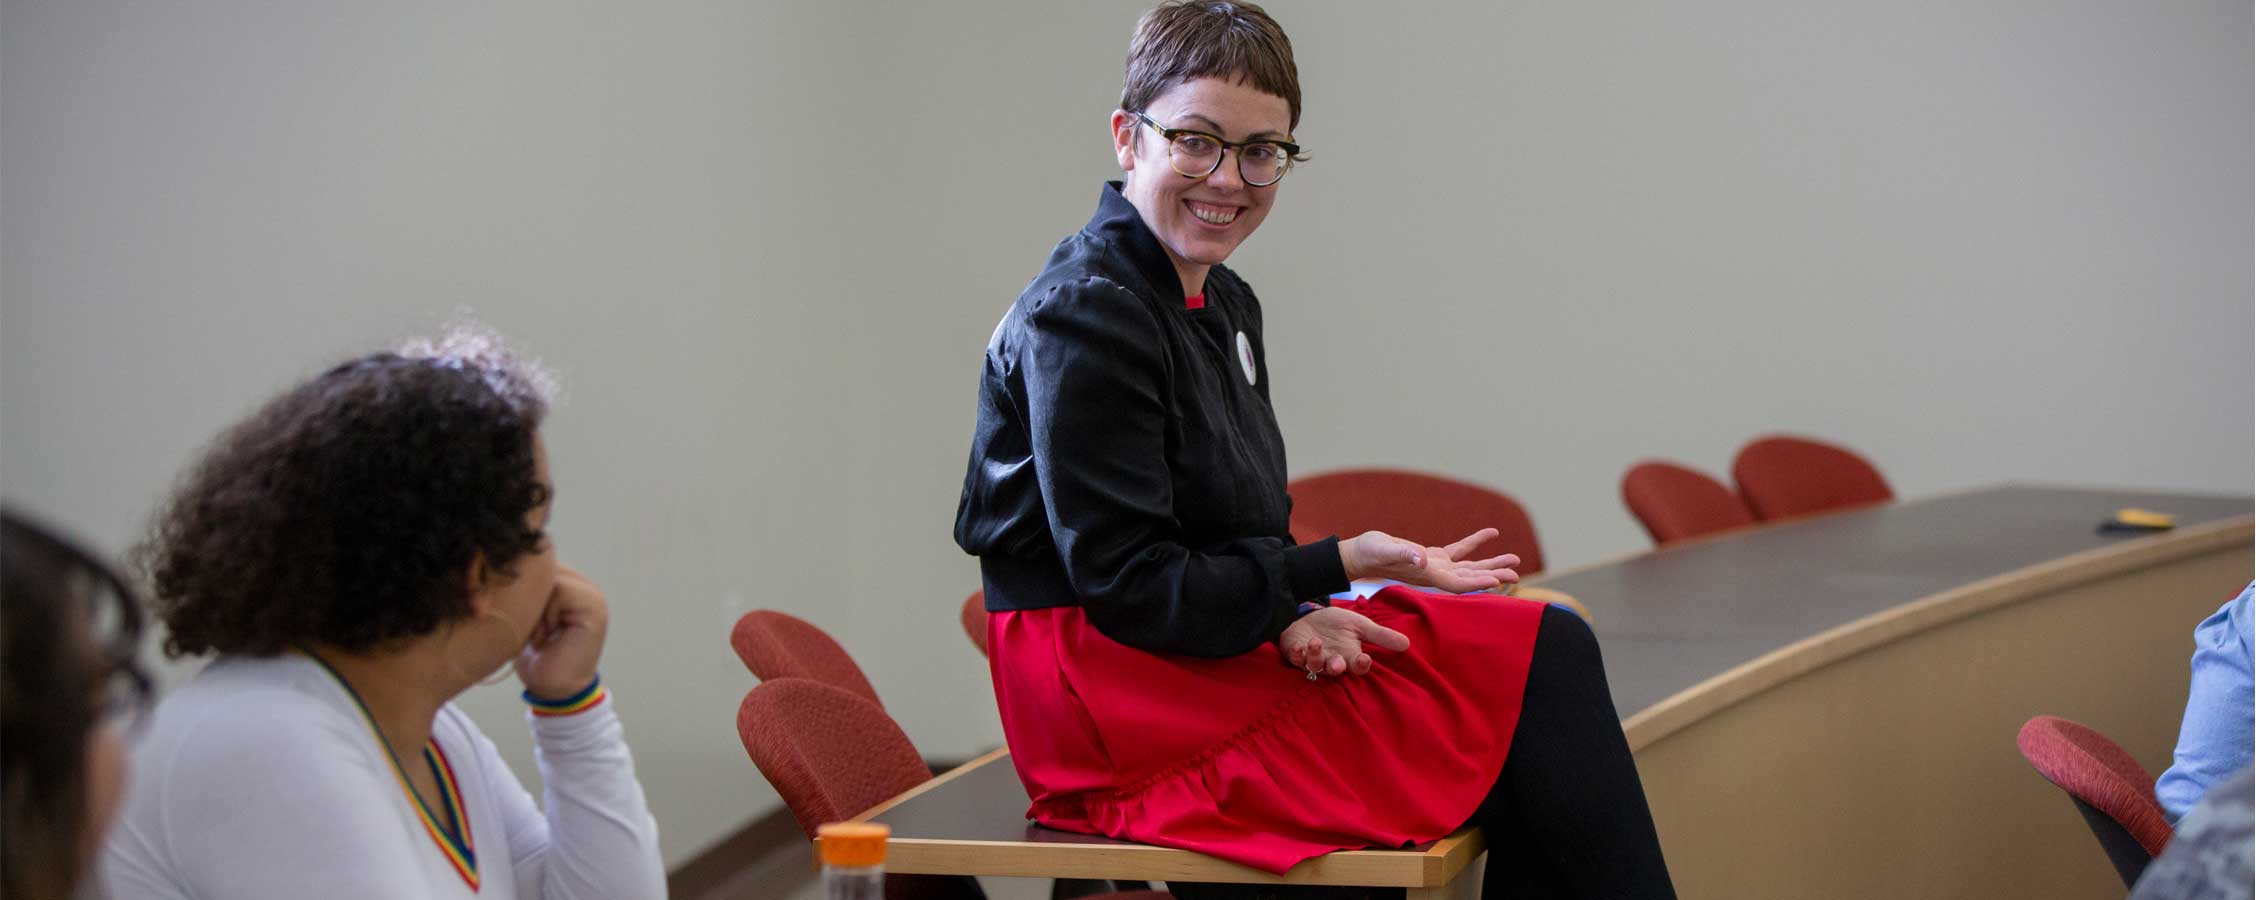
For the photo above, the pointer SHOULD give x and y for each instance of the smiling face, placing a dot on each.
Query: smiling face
(1200, 221)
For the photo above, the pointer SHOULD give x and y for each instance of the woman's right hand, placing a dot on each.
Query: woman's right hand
(1331, 641)
(559, 659)
(1378, 555)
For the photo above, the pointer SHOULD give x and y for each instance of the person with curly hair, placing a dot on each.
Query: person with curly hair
(359, 552)
(70, 629)
(1168, 666)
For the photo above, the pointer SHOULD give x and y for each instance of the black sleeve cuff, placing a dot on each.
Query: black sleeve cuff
(1314, 570)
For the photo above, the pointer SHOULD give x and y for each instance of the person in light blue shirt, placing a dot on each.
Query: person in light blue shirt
(2216, 739)
(2210, 857)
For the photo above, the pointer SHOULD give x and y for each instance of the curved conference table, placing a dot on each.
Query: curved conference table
(1825, 707)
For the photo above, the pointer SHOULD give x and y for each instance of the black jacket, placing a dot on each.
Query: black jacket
(1125, 458)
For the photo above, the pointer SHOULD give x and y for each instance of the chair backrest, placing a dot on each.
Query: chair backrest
(975, 618)
(1783, 476)
(1676, 503)
(830, 753)
(1431, 509)
(776, 645)
(2111, 789)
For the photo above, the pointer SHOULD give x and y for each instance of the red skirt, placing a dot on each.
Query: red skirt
(1246, 758)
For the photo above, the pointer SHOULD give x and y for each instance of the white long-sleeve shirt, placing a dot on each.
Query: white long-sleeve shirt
(261, 779)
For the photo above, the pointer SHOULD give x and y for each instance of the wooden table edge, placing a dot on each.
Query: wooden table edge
(1432, 866)
(1742, 682)
(932, 783)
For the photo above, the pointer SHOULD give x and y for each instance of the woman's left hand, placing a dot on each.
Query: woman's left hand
(1331, 641)
(560, 658)
(1378, 555)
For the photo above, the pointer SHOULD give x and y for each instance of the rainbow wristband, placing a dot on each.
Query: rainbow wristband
(582, 700)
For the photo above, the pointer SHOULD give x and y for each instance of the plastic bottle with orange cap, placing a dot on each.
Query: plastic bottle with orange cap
(854, 856)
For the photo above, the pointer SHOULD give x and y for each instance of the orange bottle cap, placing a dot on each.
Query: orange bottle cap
(852, 844)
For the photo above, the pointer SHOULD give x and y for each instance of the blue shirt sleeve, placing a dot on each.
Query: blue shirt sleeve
(2216, 739)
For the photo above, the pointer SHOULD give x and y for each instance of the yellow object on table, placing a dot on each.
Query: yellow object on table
(2132, 517)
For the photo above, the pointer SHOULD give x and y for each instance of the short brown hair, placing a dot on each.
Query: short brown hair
(1183, 40)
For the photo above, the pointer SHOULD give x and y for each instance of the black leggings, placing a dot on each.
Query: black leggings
(1567, 817)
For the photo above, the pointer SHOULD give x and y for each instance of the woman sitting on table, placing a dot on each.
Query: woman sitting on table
(359, 552)
(1127, 496)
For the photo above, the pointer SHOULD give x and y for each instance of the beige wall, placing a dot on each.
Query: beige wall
(765, 242)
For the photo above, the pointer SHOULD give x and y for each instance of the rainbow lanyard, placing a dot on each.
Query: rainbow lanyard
(453, 840)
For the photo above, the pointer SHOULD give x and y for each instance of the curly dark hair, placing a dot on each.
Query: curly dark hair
(348, 511)
(54, 596)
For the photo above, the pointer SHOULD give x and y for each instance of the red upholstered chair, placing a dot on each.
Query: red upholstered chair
(2111, 790)
(1418, 507)
(832, 755)
(1792, 476)
(829, 752)
(975, 618)
(1676, 503)
(775, 645)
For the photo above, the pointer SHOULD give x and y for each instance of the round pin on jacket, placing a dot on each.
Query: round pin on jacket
(1247, 358)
